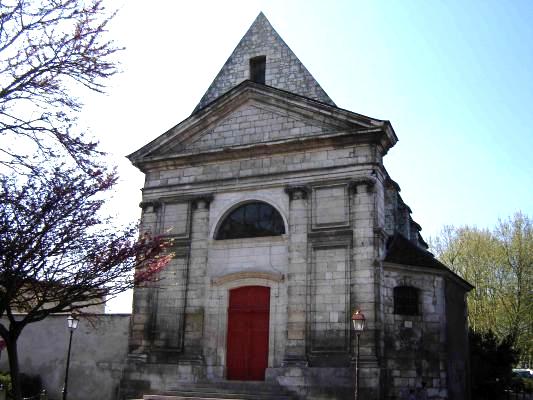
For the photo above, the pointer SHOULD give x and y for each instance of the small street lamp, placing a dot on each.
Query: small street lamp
(72, 323)
(358, 323)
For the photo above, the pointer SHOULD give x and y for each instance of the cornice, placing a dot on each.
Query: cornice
(342, 138)
(205, 197)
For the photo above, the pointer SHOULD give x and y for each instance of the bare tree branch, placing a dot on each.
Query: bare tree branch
(47, 48)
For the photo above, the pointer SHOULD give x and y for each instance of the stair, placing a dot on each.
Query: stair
(228, 390)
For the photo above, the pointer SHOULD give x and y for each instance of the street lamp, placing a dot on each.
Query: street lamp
(358, 323)
(72, 323)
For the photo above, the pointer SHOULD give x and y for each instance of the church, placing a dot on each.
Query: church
(284, 221)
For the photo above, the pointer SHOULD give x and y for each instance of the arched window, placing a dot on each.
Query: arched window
(254, 219)
(405, 300)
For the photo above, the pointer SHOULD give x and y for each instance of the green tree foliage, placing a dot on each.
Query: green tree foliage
(491, 364)
(499, 263)
(5, 381)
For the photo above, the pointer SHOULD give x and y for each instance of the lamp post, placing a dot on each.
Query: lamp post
(358, 323)
(72, 323)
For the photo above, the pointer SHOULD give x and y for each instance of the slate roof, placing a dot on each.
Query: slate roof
(401, 250)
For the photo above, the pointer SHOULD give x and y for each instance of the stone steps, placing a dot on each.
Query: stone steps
(227, 390)
(214, 396)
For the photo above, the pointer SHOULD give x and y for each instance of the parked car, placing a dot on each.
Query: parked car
(522, 379)
(523, 372)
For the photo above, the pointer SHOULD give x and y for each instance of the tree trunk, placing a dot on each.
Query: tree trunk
(11, 345)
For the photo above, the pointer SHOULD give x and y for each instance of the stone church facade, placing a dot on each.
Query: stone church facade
(284, 221)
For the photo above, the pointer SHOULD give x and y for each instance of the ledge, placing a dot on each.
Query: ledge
(220, 280)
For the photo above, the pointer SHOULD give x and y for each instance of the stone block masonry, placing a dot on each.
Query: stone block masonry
(315, 221)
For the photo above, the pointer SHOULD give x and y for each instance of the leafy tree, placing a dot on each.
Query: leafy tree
(516, 279)
(499, 263)
(491, 364)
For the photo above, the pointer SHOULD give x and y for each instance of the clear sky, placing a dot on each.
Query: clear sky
(455, 78)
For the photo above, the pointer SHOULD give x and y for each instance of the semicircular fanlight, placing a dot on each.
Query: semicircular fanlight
(254, 219)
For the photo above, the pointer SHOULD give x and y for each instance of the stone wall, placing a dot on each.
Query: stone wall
(309, 270)
(338, 208)
(415, 345)
(240, 262)
(321, 168)
(269, 166)
(283, 69)
(259, 123)
(99, 349)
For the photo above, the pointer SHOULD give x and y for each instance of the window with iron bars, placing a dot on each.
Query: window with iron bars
(405, 300)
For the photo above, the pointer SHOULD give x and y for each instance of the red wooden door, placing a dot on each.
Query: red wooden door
(247, 347)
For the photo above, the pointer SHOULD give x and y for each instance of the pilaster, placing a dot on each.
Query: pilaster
(196, 280)
(140, 336)
(368, 220)
(364, 291)
(295, 351)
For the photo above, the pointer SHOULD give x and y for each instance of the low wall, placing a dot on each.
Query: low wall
(99, 348)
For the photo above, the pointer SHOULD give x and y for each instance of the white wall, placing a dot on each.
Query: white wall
(99, 349)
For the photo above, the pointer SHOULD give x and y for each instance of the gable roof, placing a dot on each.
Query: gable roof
(401, 250)
(283, 69)
(178, 141)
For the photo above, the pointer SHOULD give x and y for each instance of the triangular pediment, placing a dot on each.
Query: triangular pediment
(255, 122)
(283, 70)
(252, 115)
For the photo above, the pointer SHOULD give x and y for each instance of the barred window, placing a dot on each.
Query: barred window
(405, 300)
(254, 219)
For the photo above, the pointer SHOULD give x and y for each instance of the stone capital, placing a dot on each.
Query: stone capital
(146, 205)
(362, 185)
(201, 202)
(299, 192)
